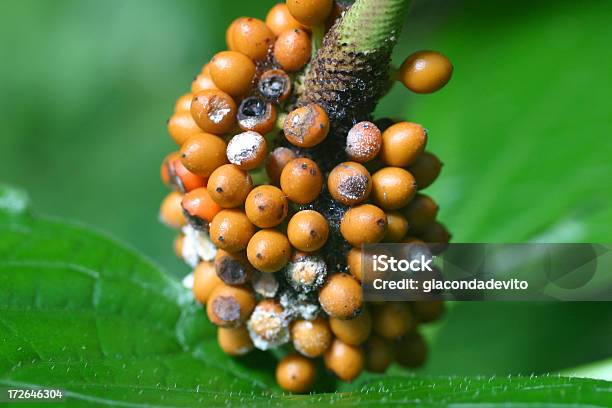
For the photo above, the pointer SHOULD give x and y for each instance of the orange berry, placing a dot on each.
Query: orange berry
(247, 150)
(279, 19)
(349, 183)
(363, 142)
(426, 170)
(202, 153)
(183, 104)
(310, 12)
(266, 206)
(341, 296)
(232, 72)
(295, 373)
(181, 125)
(230, 306)
(277, 160)
(205, 280)
(229, 186)
(269, 250)
(306, 126)
(292, 49)
(234, 341)
(364, 224)
(402, 144)
(202, 82)
(393, 188)
(231, 230)
(344, 360)
(198, 204)
(171, 212)
(425, 71)
(214, 111)
(307, 230)
(301, 180)
(252, 37)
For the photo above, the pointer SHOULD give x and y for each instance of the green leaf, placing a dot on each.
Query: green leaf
(80, 312)
(523, 131)
(523, 125)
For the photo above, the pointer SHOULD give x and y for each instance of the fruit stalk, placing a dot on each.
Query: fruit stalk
(350, 72)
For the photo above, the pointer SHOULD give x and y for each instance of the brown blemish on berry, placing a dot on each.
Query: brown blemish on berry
(226, 308)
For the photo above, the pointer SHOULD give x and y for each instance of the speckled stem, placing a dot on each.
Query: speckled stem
(351, 70)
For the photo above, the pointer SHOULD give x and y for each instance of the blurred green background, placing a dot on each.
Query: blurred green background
(523, 128)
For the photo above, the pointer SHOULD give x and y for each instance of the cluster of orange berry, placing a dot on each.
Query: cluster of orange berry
(274, 227)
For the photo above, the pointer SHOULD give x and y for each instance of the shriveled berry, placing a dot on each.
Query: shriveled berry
(352, 331)
(425, 71)
(202, 153)
(393, 188)
(214, 111)
(181, 126)
(229, 186)
(232, 72)
(269, 250)
(231, 230)
(257, 115)
(295, 373)
(363, 142)
(310, 12)
(292, 49)
(306, 126)
(402, 144)
(234, 341)
(426, 169)
(274, 85)
(349, 183)
(276, 162)
(266, 206)
(268, 325)
(251, 37)
(306, 272)
(308, 230)
(247, 150)
(199, 205)
(311, 337)
(301, 180)
(341, 296)
(205, 280)
(364, 224)
(230, 306)
(279, 19)
(232, 268)
(344, 360)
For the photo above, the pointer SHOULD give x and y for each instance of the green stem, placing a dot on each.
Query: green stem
(350, 71)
